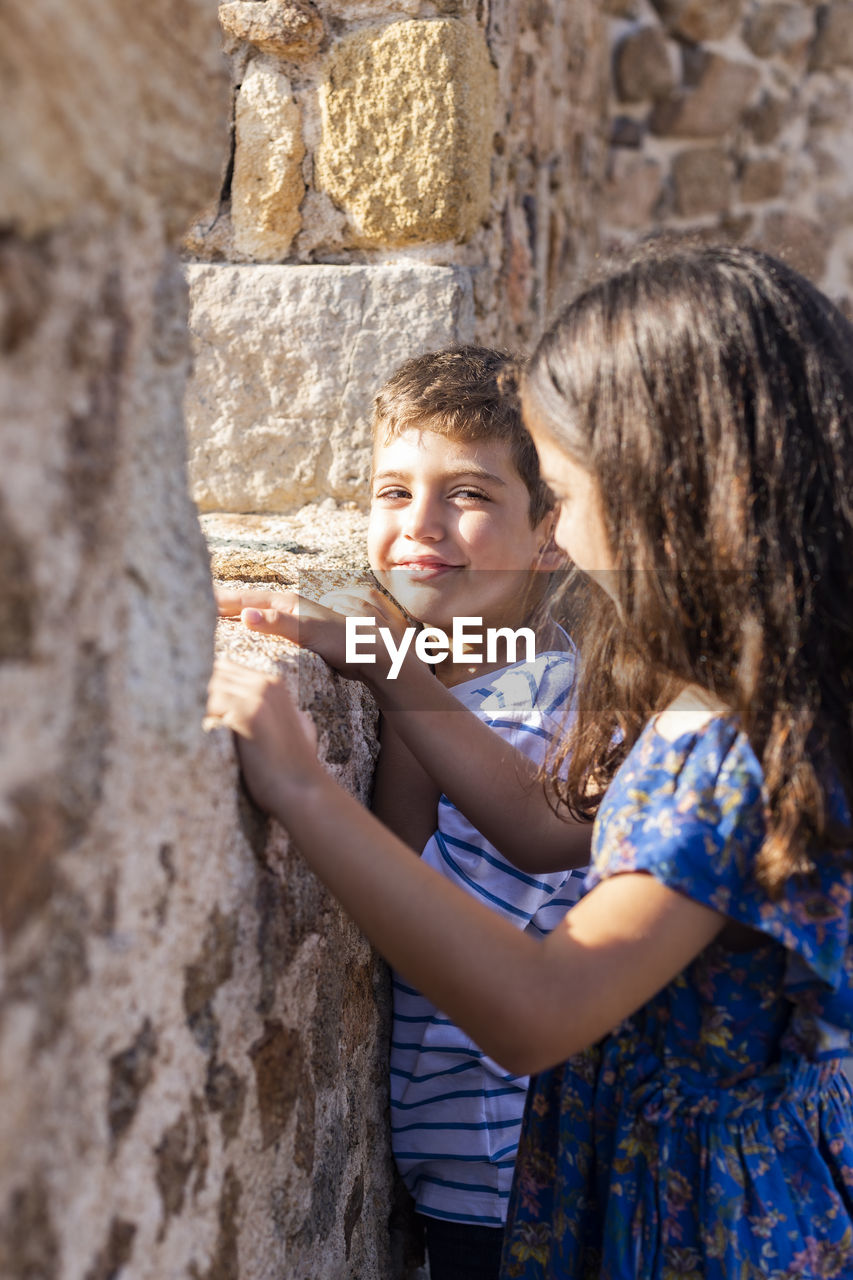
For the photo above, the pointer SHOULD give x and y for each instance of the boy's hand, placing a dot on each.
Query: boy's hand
(276, 742)
(367, 602)
(315, 626)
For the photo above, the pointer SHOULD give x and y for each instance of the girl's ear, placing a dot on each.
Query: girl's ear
(550, 555)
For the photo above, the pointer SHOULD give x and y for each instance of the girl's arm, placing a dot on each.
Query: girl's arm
(498, 788)
(528, 1004)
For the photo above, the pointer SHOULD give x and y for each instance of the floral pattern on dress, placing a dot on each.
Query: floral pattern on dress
(710, 1135)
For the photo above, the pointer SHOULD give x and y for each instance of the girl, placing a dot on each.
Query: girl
(690, 1016)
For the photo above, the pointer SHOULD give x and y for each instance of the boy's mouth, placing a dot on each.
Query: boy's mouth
(430, 567)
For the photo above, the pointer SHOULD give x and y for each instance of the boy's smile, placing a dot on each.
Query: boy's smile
(426, 566)
(450, 532)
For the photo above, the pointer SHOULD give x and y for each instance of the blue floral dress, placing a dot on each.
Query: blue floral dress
(710, 1135)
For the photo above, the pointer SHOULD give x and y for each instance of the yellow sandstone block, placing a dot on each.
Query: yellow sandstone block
(408, 119)
(267, 187)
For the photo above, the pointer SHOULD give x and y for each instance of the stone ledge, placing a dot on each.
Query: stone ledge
(320, 548)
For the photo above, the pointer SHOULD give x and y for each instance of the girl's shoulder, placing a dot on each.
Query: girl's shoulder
(691, 749)
(689, 713)
(687, 805)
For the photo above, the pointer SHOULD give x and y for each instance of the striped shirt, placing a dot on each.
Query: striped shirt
(455, 1114)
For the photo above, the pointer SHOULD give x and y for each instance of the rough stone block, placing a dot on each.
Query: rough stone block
(798, 240)
(285, 28)
(632, 190)
(115, 105)
(267, 186)
(698, 20)
(287, 361)
(642, 68)
(830, 105)
(408, 116)
(715, 94)
(625, 131)
(833, 46)
(761, 178)
(784, 30)
(836, 211)
(701, 181)
(764, 120)
(356, 11)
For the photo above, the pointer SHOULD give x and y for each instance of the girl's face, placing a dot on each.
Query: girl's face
(580, 530)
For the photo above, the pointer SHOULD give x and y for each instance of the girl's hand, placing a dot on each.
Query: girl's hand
(316, 626)
(276, 742)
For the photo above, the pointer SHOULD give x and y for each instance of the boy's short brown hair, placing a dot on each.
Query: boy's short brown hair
(463, 393)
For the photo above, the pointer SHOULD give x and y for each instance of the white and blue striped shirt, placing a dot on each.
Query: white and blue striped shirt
(455, 1114)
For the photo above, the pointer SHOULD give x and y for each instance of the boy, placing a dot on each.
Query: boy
(460, 525)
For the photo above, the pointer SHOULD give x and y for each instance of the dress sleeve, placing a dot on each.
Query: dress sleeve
(692, 814)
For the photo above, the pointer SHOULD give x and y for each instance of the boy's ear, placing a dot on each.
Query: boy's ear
(550, 555)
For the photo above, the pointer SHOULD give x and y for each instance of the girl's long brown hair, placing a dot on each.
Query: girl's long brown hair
(710, 391)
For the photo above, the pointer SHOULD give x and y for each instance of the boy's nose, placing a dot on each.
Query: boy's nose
(423, 521)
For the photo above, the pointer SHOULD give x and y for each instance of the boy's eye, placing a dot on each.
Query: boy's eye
(471, 495)
(391, 493)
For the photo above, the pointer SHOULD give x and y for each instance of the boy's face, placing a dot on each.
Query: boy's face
(450, 533)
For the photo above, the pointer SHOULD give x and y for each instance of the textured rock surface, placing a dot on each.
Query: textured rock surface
(287, 361)
(698, 20)
(762, 178)
(408, 117)
(191, 1034)
(286, 28)
(633, 190)
(267, 186)
(702, 181)
(642, 67)
(786, 29)
(717, 91)
(81, 123)
(768, 84)
(447, 132)
(834, 44)
(798, 240)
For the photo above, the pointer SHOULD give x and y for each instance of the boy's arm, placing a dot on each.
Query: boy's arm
(405, 797)
(496, 786)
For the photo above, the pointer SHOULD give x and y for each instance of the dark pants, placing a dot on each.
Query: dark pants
(462, 1250)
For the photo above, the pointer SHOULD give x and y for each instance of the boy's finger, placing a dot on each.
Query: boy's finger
(271, 622)
(351, 604)
(231, 603)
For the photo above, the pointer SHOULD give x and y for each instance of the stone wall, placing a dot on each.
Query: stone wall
(411, 175)
(192, 1037)
(437, 171)
(731, 119)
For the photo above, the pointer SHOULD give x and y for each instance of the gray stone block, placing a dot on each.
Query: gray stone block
(287, 362)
